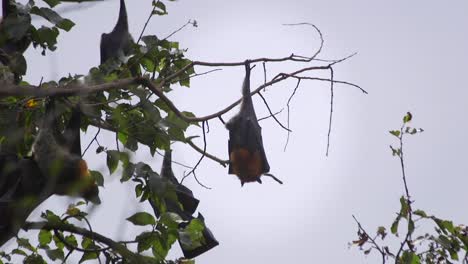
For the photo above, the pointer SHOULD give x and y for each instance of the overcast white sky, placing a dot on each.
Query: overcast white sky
(412, 56)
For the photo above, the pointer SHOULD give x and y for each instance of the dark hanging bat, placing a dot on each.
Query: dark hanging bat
(246, 153)
(118, 43)
(55, 168)
(11, 44)
(189, 204)
(20, 193)
(184, 195)
(58, 155)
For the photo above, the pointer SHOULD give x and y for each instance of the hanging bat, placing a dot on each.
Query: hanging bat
(58, 155)
(246, 152)
(56, 167)
(184, 195)
(186, 209)
(118, 43)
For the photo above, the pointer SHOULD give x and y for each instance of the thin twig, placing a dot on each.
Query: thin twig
(195, 75)
(268, 116)
(91, 142)
(328, 80)
(208, 155)
(331, 110)
(273, 177)
(67, 256)
(408, 197)
(322, 41)
(271, 113)
(147, 21)
(376, 246)
(199, 161)
(287, 104)
(221, 119)
(179, 29)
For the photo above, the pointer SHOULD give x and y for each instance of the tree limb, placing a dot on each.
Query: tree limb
(117, 247)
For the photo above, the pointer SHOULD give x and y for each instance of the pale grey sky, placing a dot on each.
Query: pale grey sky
(412, 56)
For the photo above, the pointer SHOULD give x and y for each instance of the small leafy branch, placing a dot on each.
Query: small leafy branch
(445, 245)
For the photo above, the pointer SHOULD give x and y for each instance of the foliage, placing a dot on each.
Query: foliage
(137, 117)
(446, 244)
(128, 98)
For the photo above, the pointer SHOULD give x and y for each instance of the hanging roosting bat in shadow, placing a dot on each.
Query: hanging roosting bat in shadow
(185, 207)
(56, 167)
(247, 158)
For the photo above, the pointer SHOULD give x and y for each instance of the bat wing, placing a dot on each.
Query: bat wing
(256, 135)
(246, 133)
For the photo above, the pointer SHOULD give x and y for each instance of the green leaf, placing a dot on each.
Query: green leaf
(448, 225)
(185, 81)
(407, 117)
(24, 243)
(51, 217)
(47, 37)
(113, 157)
(53, 17)
(445, 225)
(138, 190)
(88, 256)
(73, 211)
(396, 133)
(87, 243)
(410, 226)
(191, 236)
(453, 255)
(123, 137)
(382, 232)
(171, 220)
(409, 257)
(97, 176)
(395, 151)
(58, 242)
(17, 251)
(55, 254)
(160, 5)
(394, 227)
(444, 242)
(128, 171)
(146, 240)
(142, 219)
(52, 3)
(44, 237)
(404, 211)
(34, 259)
(71, 240)
(420, 213)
